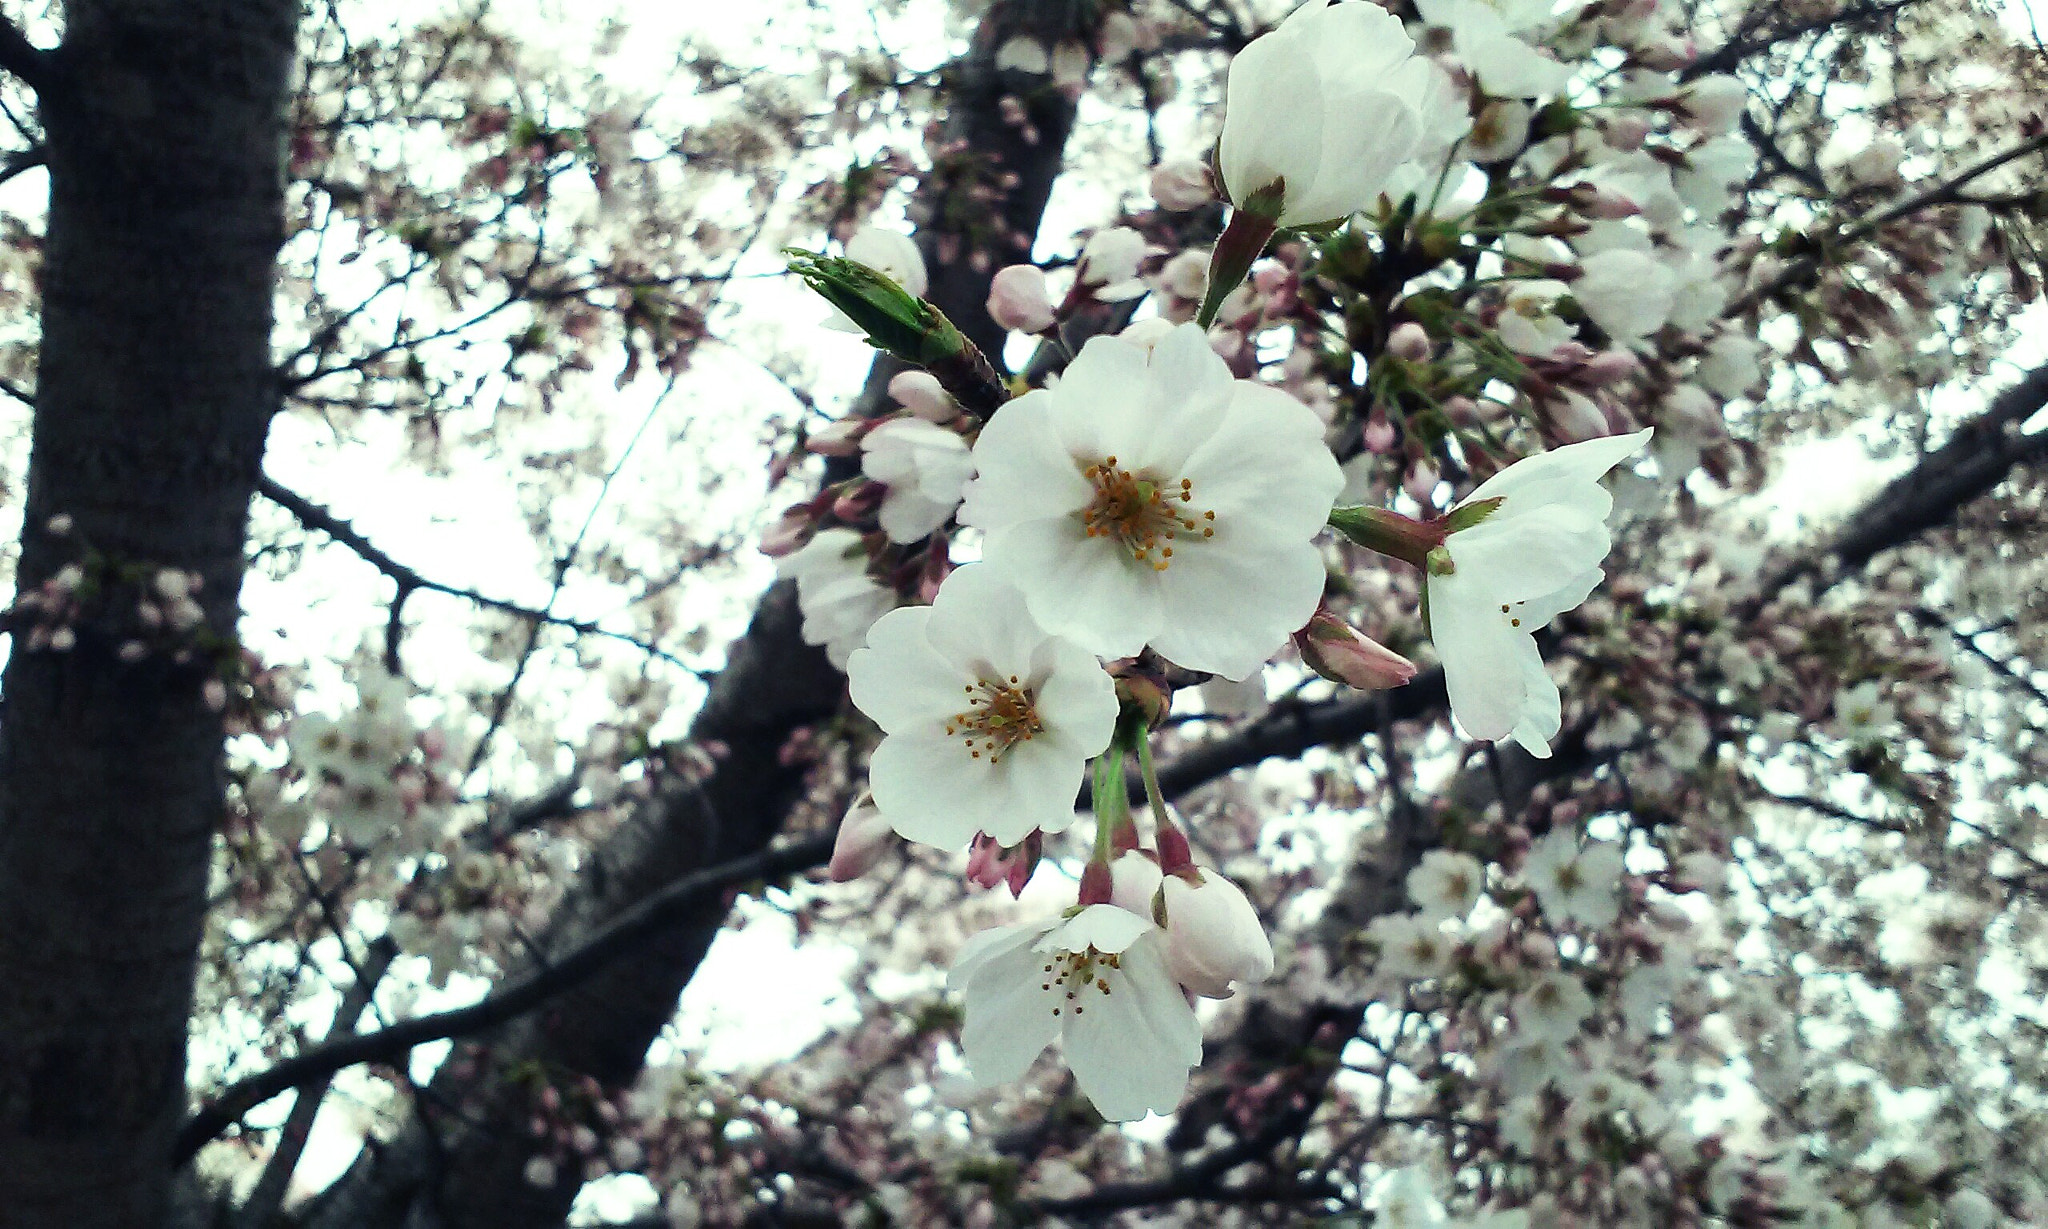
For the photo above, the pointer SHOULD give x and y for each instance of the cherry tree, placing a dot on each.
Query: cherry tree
(1415, 614)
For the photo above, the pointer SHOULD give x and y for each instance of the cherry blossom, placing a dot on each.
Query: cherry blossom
(1150, 499)
(1518, 564)
(989, 721)
(837, 597)
(1319, 113)
(1096, 982)
(925, 467)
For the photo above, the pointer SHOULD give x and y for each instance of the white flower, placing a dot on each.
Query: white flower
(1862, 715)
(838, 598)
(925, 467)
(1527, 325)
(1322, 109)
(1098, 982)
(1713, 105)
(1109, 263)
(1412, 947)
(1446, 884)
(990, 722)
(1484, 35)
(1729, 368)
(1627, 293)
(1150, 499)
(887, 252)
(1552, 1008)
(1214, 936)
(1535, 556)
(1574, 884)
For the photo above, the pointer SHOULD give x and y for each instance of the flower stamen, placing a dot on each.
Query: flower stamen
(1144, 512)
(998, 716)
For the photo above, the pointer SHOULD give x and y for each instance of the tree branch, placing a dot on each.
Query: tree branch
(408, 579)
(632, 927)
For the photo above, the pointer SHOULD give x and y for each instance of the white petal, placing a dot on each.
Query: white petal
(1272, 127)
(1010, 1019)
(1234, 599)
(1586, 461)
(927, 788)
(1531, 554)
(1129, 1049)
(1542, 708)
(1022, 470)
(1105, 928)
(1482, 655)
(898, 679)
(1084, 589)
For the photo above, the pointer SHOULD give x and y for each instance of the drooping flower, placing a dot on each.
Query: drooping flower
(1098, 983)
(1496, 582)
(989, 720)
(1150, 499)
(1319, 112)
(925, 467)
(1214, 936)
(838, 598)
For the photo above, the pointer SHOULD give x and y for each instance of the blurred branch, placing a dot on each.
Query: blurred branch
(1738, 49)
(630, 928)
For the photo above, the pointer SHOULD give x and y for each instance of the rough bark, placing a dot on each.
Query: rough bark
(465, 1169)
(164, 134)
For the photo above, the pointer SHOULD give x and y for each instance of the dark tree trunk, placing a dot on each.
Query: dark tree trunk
(164, 123)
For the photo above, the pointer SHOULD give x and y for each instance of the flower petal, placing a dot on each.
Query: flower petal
(1482, 655)
(898, 679)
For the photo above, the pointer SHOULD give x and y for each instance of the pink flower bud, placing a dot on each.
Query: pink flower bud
(1379, 434)
(1610, 365)
(789, 532)
(63, 640)
(1342, 654)
(989, 863)
(863, 837)
(1213, 935)
(1181, 185)
(1018, 299)
(921, 393)
(132, 651)
(213, 691)
(1627, 132)
(1421, 484)
(1577, 417)
(1610, 206)
(859, 502)
(59, 525)
(838, 439)
(1409, 342)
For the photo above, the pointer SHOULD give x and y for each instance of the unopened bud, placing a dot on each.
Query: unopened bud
(59, 525)
(989, 863)
(1611, 365)
(1181, 185)
(789, 532)
(1409, 342)
(1018, 299)
(1213, 935)
(1342, 654)
(863, 837)
(921, 393)
(838, 439)
(858, 501)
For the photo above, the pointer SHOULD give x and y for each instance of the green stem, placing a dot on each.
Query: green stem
(1112, 802)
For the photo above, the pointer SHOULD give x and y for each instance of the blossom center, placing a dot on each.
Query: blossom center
(999, 715)
(1143, 512)
(1074, 972)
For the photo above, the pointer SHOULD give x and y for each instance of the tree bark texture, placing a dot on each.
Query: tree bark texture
(164, 130)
